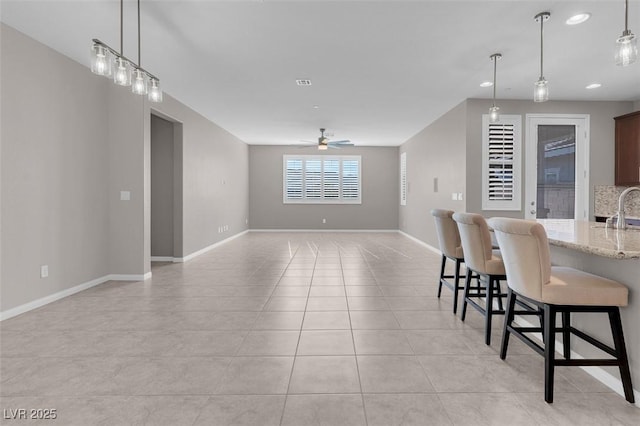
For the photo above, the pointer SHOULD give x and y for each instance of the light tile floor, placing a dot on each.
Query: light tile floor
(284, 329)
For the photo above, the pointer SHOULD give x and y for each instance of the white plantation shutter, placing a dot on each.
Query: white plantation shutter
(403, 179)
(293, 177)
(351, 179)
(321, 179)
(331, 182)
(501, 164)
(313, 179)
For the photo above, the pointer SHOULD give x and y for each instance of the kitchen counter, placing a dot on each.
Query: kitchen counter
(593, 238)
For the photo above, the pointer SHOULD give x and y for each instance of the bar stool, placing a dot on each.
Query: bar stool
(481, 259)
(449, 241)
(554, 289)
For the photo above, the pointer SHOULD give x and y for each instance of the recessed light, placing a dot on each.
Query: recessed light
(316, 106)
(578, 18)
(303, 82)
(593, 86)
(486, 84)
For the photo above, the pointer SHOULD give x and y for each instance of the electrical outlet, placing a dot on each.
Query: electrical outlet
(324, 220)
(460, 196)
(44, 271)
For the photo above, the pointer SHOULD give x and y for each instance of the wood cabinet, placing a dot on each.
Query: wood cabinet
(628, 149)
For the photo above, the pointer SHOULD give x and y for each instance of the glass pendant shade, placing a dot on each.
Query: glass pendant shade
(322, 147)
(541, 90)
(494, 114)
(121, 72)
(139, 82)
(155, 92)
(100, 60)
(626, 49)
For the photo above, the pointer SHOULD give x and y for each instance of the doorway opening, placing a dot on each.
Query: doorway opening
(557, 158)
(166, 189)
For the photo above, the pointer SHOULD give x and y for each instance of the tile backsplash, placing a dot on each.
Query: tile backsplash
(606, 201)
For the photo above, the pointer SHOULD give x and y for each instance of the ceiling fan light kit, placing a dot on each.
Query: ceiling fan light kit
(626, 44)
(107, 62)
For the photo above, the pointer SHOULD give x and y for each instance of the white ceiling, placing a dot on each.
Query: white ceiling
(381, 70)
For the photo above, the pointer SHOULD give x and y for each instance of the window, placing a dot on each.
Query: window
(403, 179)
(501, 165)
(322, 179)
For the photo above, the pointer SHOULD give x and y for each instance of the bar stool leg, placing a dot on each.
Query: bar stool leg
(621, 353)
(549, 351)
(444, 262)
(499, 292)
(456, 287)
(488, 311)
(508, 319)
(566, 334)
(467, 285)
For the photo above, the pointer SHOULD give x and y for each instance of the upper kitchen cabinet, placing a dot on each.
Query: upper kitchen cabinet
(628, 149)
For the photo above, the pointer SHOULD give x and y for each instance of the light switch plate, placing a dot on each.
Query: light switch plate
(44, 271)
(454, 195)
(125, 195)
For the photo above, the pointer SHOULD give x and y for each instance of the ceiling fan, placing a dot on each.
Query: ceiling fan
(324, 142)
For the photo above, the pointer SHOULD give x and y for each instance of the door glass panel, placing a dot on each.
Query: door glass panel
(556, 191)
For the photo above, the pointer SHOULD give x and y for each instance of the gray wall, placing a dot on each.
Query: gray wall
(70, 142)
(380, 192)
(438, 151)
(602, 142)
(55, 177)
(161, 187)
(451, 148)
(215, 178)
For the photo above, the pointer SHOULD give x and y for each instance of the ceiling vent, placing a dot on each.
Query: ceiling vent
(303, 82)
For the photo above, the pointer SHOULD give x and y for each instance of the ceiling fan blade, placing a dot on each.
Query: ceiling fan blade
(346, 141)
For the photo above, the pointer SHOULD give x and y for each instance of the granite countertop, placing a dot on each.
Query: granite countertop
(593, 238)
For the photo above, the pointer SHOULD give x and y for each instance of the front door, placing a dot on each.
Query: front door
(557, 182)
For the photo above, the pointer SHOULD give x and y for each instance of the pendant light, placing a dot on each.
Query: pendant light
(494, 111)
(541, 88)
(107, 62)
(626, 47)
(139, 84)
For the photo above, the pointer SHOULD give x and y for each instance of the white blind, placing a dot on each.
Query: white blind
(403, 179)
(501, 163)
(319, 179)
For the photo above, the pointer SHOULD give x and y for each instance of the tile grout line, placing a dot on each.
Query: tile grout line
(353, 339)
(295, 354)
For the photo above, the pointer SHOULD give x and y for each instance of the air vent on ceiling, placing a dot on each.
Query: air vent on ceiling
(303, 82)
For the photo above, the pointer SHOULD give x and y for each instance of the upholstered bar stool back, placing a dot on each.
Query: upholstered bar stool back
(476, 243)
(451, 248)
(448, 235)
(526, 256)
(480, 258)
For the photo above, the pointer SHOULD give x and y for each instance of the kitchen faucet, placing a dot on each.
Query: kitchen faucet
(621, 223)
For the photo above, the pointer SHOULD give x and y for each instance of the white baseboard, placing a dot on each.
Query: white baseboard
(599, 373)
(162, 258)
(325, 230)
(206, 249)
(129, 277)
(422, 243)
(10, 313)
